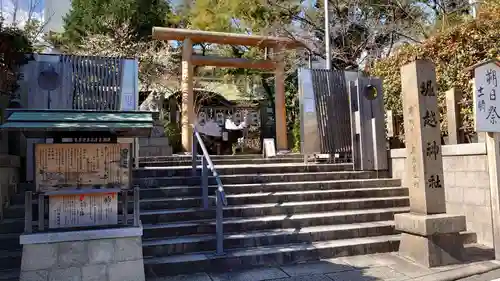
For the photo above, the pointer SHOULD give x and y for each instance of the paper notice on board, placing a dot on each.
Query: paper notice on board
(83, 210)
(309, 106)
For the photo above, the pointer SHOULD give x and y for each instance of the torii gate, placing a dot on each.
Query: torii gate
(189, 60)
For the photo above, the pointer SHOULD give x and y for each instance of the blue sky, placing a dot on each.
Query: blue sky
(7, 8)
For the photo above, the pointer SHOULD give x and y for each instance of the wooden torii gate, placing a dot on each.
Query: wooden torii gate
(189, 60)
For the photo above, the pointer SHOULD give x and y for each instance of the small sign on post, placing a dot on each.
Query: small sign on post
(268, 148)
(487, 119)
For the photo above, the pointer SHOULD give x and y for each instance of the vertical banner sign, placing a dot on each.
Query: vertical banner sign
(486, 97)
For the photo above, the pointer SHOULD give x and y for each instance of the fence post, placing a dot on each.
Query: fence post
(453, 97)
(137, 206)
(41, 212)
(125, 206)
(204, 181)
(28, 212)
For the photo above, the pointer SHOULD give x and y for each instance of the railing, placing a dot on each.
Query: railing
(220, 197)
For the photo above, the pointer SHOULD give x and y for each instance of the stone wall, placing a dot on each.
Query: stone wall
(154, 146)
(466, 182)
(116, 259)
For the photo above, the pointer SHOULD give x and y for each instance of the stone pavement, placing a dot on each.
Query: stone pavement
(493, 275)
(374, 267)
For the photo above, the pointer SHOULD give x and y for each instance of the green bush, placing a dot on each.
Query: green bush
(452, 52)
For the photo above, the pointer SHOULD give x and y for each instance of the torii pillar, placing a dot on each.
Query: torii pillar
(279, 99)
(187, 106)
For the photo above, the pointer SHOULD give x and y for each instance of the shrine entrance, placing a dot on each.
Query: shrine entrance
(276, 64)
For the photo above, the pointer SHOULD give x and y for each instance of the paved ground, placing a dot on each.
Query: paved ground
(388, 267)
(489, 276)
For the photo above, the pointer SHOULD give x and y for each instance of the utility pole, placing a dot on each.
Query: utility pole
(328, 54)
(473, 8)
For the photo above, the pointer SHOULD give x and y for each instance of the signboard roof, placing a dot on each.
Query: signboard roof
(37, 123)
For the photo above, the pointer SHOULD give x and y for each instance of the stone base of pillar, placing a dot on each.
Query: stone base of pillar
(431, 240)
(107, 254)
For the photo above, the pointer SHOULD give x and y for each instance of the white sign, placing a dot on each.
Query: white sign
(83, 210)
(269, 149)
(487, 97)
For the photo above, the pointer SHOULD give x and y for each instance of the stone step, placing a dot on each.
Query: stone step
(269, 209)
(10, 242)
(273, 255)
(240, 225)
(14, 225)
(175, 171)
(187, 162)
(197, 243)
(184, 157)
(9, 275)
(272, 197)
(10, 260)
(179, 191)
(259, 178)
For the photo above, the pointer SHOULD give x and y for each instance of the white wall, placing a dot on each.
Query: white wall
(54, 12)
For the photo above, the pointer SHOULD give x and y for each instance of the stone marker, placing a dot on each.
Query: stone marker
(430, 236)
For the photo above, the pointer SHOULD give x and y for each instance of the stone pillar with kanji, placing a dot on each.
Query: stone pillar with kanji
(430, 237)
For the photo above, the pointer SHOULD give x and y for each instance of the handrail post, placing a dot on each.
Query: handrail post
(204, 181)
(218, 227)
(194, 154)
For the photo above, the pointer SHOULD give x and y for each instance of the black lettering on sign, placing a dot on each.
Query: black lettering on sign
(434, 182)
(480, 91)
(432, 149)
(430, 119)
(427, 89)
(481, 105)
(493, 115)
(493, 94)
(491, 77)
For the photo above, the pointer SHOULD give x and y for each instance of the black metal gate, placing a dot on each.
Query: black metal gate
(333, 112)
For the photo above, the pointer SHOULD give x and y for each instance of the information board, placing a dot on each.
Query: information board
(487, 97)
(83, 210)
(83, 166)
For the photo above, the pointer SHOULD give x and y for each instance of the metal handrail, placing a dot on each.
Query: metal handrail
(220, 196)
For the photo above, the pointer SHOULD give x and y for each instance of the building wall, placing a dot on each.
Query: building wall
(466, 183)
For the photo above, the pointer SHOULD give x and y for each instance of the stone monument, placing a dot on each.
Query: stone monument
(429, 236)
(80, 178)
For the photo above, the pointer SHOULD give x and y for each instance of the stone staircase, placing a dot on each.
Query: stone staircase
(279, 211)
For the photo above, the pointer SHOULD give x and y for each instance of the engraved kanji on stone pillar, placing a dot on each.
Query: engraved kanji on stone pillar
(430, 236)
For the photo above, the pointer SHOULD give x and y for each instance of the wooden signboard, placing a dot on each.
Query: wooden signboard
(83, 166)
(83, 210)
